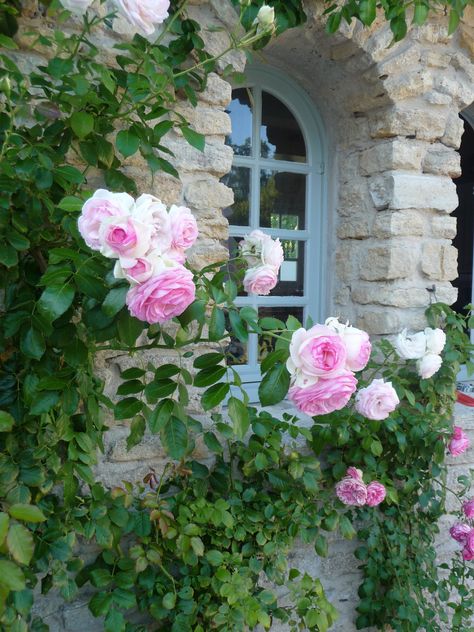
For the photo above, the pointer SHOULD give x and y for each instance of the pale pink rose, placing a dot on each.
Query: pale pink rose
(428, 365)
(316, 352)
(163, 296)
(76, 6)
(272, 253)
(326, 395)
(459, 442)
(377, 400)
(411, 347)
(467, 554)
(260, 280)
(124, 237)
(351, 491)
(376, 493)
(184, 230)
(251, 247)
(435, 340)
(144, 14)
(468, 508)
(354, 472)
(134, 270)
(470, 540)
(100, 207)
(150, 210)
(175, 254)
(459, 532)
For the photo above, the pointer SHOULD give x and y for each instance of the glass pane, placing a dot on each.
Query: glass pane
(291, 281)
(282, 200)
(266, 344)
(280, 134)
(240, 111)
(238, 179)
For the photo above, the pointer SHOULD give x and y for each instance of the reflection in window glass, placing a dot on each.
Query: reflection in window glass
(238, 179)
(291, 279)
(240, 111)
(266, 344)
(282, 200)
(280, 134)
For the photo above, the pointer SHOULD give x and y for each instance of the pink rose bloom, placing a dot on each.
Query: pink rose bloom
(134, 270)
(326, 395)
(428, 365)
(435, 340)
(124, 237)
(459, 442)
(100, 207)
(354, 472)
(260, 280)
(175, 254)
(376, 493)
(144, 14)
(184, 230)
(356, 341)
(467, 554)
(377, 400)
(251, 247)
(272, 253)
(459, 532)
(352, 491)
(151, 211)
(314, 353)
(163, 296)
(468, 508)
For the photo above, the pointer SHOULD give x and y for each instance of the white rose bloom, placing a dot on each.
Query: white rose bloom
(411, 347)
(144, 14)
(428, 365)
(333, 323)
(265, 18)
(272, 253)
(151, 210)
(79, 7)
(435, 340)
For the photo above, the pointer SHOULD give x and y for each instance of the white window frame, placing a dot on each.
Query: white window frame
(273, 81)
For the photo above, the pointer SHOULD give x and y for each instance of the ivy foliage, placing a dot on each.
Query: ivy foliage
(190, 546)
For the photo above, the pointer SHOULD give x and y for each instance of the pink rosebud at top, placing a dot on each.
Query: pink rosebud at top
(100, 207)
(324, 396)
(144, 14)
(459, 532)
(377, 400)
(260, 280)
(468, 508)
(355, 473)
(184, 230)
(351, 491)
(459, 442)
(316, 352)
(376, 493)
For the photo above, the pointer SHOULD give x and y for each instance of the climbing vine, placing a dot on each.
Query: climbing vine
(200, 545)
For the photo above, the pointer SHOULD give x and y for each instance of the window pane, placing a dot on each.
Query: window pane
(291, 281)
(240, 111)
(282, 200)
(238, 179)
(266, 344)
(280, 134)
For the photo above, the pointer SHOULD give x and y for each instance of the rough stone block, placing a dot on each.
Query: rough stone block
(396, 154)
(439, 261)
(379, 322)
(443, 226)
(208, 193)
(216, 157)
(421, 123)
(380, 263)
(404, 190)
(217, 91)
(206, 120)
(390, 294)
(398, 223)
(453, 130)
(441, 160)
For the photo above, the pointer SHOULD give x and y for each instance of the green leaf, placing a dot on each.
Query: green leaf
(346, 528)
(20, 543)
(32, 343)
(321, 546)
(238, 326)
(8, 256)
(274, 385)
(209, 376)
(197, 546)
(214, 557)
(11, 575)
(100, 604)
(376, 448)
(194, 138)
(43, 402)
(212, 442)
(214, 396)
(129, 328)
(27, 513)
(114, 301)
(454, 18)
(207, 360)
(6, 421)
(160, 415)
(127, 408)
(4, 522)
(55, 300)
(239, 414)
(18, 241)
(115, 621)
(421, 13)
(216, 324)
(169, 601)
(174, 436)
(127, 143)
(71, 204)
(82, 123)
(137, 430)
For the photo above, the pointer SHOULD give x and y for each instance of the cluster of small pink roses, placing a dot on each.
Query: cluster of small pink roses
(459, 442)
(264, 257)
(322, 363)
(464, 533)
(149, 243)
(425, 347)
(352, 490)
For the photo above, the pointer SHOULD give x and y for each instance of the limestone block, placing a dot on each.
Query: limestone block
(441, 160)
(398, 223)
(357, 226)
(213, 226)
(380, 263)
(396, 154)
(217, 91)
(404, 190)
(342, 295)
(427, 123)
(208, 193)
(439, 261)
(436, 58)
(453, 131)
(437, 98)
(216, 157)
(446, 293)
(346, 261)
(354, 198)
(206, 120)
(207, 251)
(410, 84)
(379, 322)
(443, 226)
(390, 295)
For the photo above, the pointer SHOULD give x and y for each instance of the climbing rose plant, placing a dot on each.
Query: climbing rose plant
(87, 271)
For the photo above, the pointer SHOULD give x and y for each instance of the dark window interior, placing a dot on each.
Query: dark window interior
(464, 240)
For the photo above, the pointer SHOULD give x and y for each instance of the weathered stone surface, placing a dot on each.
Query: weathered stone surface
(421, 123)
(217, 91)
(443, 226)
(208, 193)
(453, 130)
(391, 295)
(405, 190)
(206, 120)
(439, 261)
(388, 262)
(379, 322)
(398, 223)
(215, 159)
(441, 160)
(396, 154)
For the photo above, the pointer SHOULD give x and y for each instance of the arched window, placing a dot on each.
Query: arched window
(278, 183)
